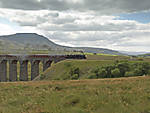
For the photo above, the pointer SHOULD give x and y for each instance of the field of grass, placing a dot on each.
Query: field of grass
(107, 57)
(61, 70)
(121, 95)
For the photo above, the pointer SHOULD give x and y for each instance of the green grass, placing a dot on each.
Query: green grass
(123, 95)
(100, 54)
(61, 70)
(107, 57)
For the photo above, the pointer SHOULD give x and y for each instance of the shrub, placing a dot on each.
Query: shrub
(116, 73)
(102, 73)
(138, 72)
(123, 67)
(109, 69)
(42, 76)
(129, 74)
(75, 73)
(75, 77)
(92, 76)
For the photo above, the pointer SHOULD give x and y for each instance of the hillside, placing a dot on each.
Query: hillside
(33, 41)
(85, 66)
(123, 95)
(84, 69)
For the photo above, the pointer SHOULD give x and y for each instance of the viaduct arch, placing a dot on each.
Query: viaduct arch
(34, 60)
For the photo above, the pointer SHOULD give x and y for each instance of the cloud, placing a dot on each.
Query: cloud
(102, 6)
(6, 29)
(80, 22)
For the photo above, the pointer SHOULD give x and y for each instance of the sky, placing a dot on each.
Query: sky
(122, 25)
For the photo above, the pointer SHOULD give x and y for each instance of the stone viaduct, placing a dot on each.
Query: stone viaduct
(12, 60)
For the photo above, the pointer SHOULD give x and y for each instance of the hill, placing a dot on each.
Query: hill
(144, 55)
(33, 41)
(85, 67)
(122, 95)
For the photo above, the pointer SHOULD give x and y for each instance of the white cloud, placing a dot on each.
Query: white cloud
(6, 29)
(87, 28)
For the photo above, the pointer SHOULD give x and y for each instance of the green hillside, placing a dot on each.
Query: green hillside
(84, 69)
(122, 95)
(62, 69)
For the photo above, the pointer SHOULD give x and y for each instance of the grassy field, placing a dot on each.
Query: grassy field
(122, 95)
(107, 57)
(62, 69)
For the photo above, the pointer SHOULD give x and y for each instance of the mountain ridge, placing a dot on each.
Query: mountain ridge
(36, 41)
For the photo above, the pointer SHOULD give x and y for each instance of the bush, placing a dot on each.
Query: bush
(42, 76)
(102, 73)
(116, 73)
(129, 74)
(75, 77)
(92, 76)
(75, 73)
(138, 72)
(109, 69)
(121, 69)
(74, 70)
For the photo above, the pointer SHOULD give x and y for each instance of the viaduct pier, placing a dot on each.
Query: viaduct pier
(9, 62)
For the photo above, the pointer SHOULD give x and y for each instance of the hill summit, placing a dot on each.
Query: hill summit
(39, 42)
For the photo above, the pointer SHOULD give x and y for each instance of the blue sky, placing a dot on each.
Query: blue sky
(142, 17)
(6, 21)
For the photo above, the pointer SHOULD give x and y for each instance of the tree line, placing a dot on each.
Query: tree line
(121, 69)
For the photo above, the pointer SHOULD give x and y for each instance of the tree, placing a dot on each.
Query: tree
(102, 73)
(138, 71)
(115, 72)
(123, 67)
(109, 69)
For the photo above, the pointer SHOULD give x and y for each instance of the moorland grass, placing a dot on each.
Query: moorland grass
(121, 95)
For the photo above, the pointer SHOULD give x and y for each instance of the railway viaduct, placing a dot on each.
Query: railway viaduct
(12, 60)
